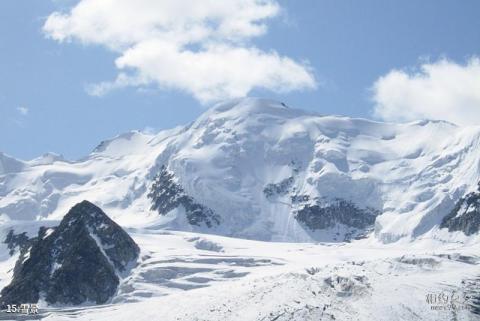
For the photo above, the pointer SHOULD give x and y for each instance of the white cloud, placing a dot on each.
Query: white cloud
(440, 90)
(200, 47)
(23, 110)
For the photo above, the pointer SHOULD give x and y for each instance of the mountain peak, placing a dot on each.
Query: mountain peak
(120, 144)
(84, 209)
(46, 159)
(85, 213)
(79, 261)
(252, 105)
(252, 111)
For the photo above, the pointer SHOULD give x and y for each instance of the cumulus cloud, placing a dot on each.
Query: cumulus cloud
(200, 47)
(23, 110)
(435, 90)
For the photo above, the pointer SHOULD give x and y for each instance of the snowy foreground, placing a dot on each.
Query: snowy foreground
(186, 276)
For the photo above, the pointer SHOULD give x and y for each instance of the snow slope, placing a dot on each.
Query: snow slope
(244, 280)
(412, 173)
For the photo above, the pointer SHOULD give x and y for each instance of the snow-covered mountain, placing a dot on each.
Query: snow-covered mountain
(404, 196)
(258, 169)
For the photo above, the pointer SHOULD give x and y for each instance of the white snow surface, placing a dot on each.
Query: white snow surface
(413, 173)
(256, 280)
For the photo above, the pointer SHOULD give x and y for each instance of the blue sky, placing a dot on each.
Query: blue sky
(350, 48)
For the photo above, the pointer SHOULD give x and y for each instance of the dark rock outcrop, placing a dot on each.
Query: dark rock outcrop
(465, 216)
(166, 195)
(278, 189)
(285, 186)
(16, 241)
(79, 261)
(320, 216)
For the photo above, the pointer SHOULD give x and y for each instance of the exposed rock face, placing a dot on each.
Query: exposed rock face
(349, 220)
(14, 241)
(278, 189)
(79, 261)
(166, 195)
(324, 216)
(465, 216)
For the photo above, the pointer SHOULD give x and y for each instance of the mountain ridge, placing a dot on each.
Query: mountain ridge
(228, 156)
